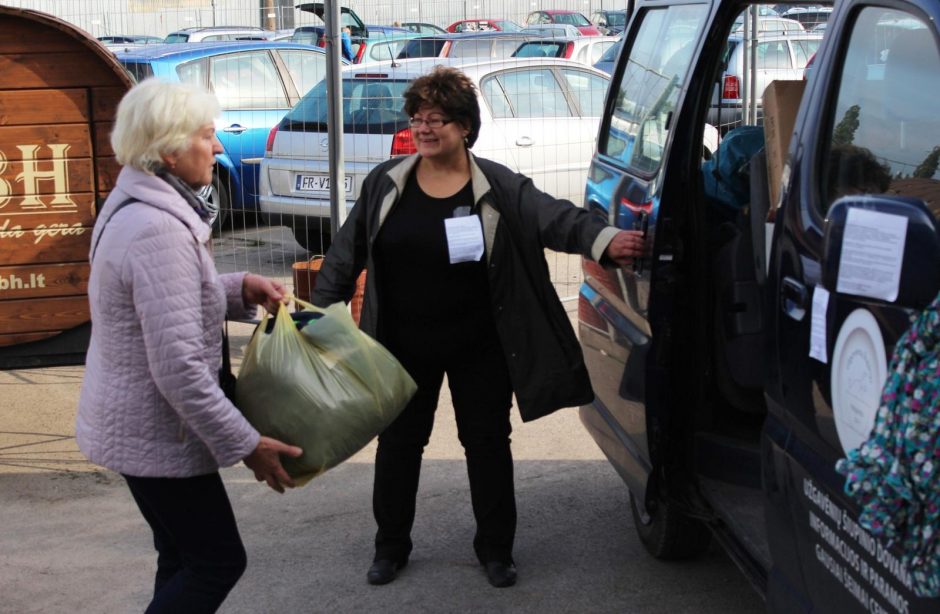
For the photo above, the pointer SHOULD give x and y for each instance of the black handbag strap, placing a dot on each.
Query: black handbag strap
(104, 224)
(226, 361)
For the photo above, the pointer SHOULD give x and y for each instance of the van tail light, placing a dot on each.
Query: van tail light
(403, 144)
(569, 49)
(269, 146)
(322, 41)
(359, 53)
(731, 87)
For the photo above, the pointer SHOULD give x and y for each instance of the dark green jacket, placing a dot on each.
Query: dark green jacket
(519, 222)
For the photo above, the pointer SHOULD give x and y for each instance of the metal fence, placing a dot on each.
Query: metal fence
(159, 17)
(262, 244)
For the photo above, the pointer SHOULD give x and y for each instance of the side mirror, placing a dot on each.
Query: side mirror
(920, 264)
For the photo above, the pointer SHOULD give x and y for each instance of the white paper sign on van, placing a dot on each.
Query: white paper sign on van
(872, 254)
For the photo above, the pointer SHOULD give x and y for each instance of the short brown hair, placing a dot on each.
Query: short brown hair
(453, 92)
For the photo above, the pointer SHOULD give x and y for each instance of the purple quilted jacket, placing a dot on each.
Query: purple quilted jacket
(150, 403)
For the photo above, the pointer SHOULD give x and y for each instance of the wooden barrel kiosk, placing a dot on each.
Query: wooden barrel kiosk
(59, 90)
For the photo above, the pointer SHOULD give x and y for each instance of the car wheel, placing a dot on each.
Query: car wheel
(668, 534)
(313, 234)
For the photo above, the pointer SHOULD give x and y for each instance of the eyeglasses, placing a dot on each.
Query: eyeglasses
(433, 123)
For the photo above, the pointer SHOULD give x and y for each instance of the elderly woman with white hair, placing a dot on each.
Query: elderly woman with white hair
(151, 406)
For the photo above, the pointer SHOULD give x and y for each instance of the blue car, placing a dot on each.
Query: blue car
(256, 82)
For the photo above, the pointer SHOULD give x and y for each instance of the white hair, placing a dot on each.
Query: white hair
(156, 118)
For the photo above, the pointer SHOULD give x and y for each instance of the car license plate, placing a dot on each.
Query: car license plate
(318, 183)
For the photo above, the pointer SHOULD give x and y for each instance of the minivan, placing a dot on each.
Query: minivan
(735, 367)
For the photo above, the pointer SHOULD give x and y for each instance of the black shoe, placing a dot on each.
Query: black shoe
(384, 571)
(501, 574)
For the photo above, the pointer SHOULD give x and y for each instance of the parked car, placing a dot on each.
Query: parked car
(256, 84)
(573, 18)
(215, 33)
(484, 25)
(610, 22)
(738, 364)
(539, 117)
(778, 58)
(476, 45)
(422, 28)
(584, 49)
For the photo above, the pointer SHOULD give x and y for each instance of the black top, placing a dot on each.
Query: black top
(416, 281)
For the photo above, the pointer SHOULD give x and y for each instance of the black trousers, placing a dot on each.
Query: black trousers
(200, 555)
(482, 395)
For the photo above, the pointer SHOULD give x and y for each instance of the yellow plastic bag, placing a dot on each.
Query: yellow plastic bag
(328, 387)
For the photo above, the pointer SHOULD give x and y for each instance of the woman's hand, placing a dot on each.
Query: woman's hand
(626, 246)
(258, 290)
(265, 461)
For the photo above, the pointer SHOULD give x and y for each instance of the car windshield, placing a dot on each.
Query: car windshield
(575, 19)
(177, 37)
(370, 106)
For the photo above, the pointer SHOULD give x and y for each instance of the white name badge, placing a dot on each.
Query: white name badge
(464, 238)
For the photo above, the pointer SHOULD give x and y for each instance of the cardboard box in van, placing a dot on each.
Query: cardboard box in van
(781, 101)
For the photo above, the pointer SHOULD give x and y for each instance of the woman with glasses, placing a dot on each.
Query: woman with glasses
(458, 286)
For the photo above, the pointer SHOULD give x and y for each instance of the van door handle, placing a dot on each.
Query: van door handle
(235, 129)
(525, 141)
(793, 299)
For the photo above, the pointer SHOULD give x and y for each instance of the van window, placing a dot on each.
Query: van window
(885, 129)
(649, 87)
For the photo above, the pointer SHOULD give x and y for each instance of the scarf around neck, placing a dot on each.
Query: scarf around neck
(197, 202)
